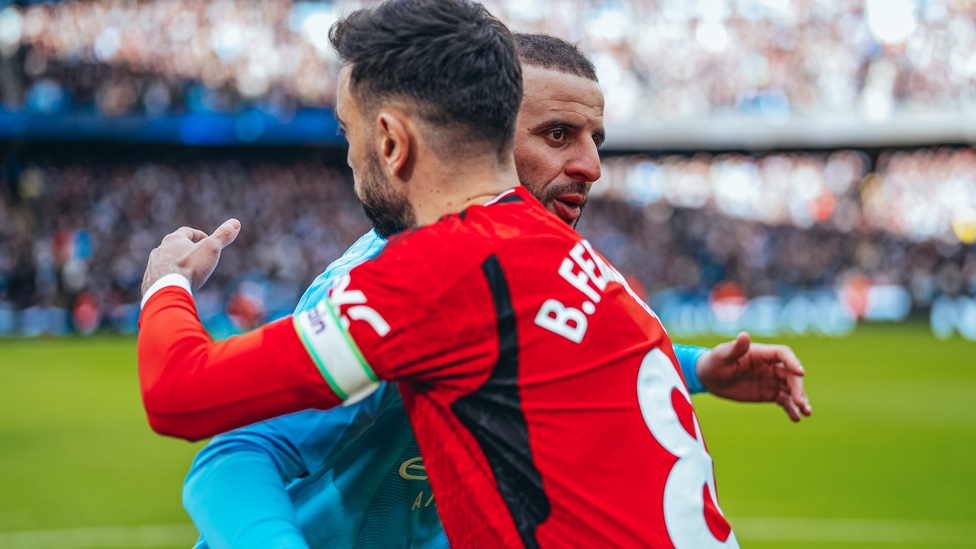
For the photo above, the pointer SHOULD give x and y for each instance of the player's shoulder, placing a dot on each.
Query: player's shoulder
(517, 214)
(479, 231)
(364, 248)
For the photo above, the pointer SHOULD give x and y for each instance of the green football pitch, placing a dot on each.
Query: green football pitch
(887, 460)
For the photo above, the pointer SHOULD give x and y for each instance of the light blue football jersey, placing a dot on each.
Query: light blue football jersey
(354, 475)
(351, 477)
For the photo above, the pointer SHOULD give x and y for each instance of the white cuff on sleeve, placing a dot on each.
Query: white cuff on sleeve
(165, 282)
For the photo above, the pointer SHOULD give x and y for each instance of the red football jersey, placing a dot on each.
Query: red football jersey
(544, 394)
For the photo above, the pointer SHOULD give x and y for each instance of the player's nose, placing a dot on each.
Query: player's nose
(585, 164)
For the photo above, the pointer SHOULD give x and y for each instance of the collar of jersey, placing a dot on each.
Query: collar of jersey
(519, 191)
(501, 196)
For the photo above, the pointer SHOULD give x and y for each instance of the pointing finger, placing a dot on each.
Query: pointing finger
(742, 343)
(188, 233)
(226, 233)
(732, 350)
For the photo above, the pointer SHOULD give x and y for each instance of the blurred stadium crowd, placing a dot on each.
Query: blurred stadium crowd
(919, 195)
(75, 235)
(657, 59)
(795, 242)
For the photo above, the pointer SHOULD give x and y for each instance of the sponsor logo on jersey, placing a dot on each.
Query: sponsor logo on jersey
(407, 470)
(415, 464)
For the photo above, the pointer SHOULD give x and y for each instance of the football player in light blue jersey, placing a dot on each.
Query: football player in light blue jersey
(353, 477)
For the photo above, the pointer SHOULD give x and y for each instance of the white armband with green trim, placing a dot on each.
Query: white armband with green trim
(335, 353)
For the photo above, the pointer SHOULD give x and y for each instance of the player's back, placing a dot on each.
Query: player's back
(544, 393)
(606, 409)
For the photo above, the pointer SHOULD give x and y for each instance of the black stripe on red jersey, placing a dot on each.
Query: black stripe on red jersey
(493, 414)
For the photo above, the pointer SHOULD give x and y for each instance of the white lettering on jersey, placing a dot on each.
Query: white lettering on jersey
(692, 477)
(613, 274)
(567, 321)
(589, 265)
(579, 280)
(362, 312)
(556, 317)
(325, 333)
(340, 296)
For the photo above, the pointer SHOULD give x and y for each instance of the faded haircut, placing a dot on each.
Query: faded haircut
(545, 51)
(451, 59)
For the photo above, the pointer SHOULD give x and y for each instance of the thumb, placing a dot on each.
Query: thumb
(226, 233)
(733, 350)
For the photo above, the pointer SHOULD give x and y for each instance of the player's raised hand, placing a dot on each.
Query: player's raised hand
(191, 253)
(755, 372)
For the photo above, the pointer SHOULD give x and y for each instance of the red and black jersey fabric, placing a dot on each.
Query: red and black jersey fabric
(518, 350)
(545, 396)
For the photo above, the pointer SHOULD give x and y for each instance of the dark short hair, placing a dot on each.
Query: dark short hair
(548, 52)
(451, 58)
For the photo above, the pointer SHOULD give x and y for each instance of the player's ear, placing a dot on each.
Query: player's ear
(396, 143)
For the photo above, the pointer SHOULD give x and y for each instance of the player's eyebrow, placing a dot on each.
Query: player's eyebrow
(600, 135)
(553, 122)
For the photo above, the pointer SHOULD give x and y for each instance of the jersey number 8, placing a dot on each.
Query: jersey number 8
(691, 510)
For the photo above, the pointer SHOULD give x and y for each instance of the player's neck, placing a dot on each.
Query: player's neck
(447, 189)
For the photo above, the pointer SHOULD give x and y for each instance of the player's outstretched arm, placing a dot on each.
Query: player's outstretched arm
(194, 387)
(755, 372)
(235, 494)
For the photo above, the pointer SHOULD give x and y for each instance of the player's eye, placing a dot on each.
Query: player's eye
(559, 135)
(341, 131)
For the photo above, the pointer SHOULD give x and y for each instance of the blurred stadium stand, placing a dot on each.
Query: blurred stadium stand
(782, 166)
(678, 73)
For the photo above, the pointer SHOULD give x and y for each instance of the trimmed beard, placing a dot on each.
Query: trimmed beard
(388, 210)
(551, 191)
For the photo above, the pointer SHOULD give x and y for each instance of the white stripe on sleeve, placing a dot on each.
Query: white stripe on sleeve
(165, 282)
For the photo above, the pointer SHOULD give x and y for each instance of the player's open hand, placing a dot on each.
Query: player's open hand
(191, 253)
(754, 372)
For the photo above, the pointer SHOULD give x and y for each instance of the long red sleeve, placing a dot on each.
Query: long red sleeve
(194, 387)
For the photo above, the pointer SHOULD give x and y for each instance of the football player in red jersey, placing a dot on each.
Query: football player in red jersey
(524, 358)
(232, 492)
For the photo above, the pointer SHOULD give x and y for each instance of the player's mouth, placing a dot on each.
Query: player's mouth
(568, 206)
